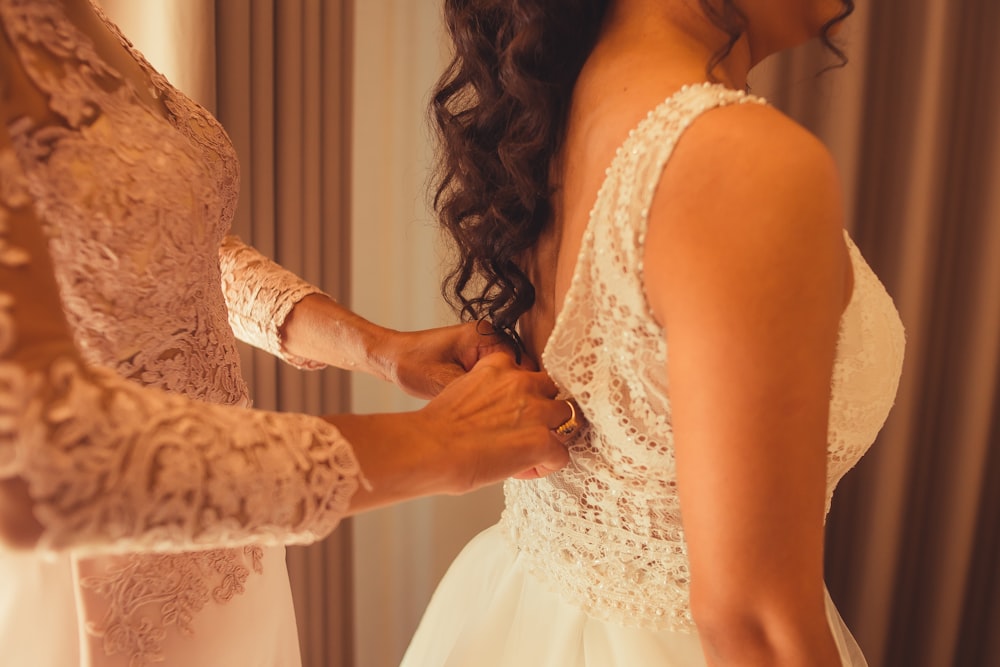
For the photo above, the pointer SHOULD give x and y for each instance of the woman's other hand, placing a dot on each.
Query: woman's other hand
(493, 422)
(421, 363)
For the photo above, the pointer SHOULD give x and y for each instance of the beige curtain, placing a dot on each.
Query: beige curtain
(914, 535)
(283, 94)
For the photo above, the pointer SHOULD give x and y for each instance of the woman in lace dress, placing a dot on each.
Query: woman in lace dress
(672, 250)
(149, 502)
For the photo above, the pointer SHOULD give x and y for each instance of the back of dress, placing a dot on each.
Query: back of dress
(605, 532)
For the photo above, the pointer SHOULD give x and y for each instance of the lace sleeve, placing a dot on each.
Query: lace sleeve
(260, 294)
(111, 465)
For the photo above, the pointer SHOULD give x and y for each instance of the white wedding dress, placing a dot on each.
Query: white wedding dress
(129, 420)
(587, 567)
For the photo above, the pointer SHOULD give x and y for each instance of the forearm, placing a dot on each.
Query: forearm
(399, 462)
(260, 295)
(320, 329)
(420, 363)
(105, 465)
(273, 309)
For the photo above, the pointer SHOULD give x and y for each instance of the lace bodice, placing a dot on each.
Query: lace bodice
(136, 432)
(606, 531)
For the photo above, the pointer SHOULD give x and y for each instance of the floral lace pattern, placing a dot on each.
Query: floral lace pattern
(605, 531)
(259, 295)
(178, 585)
(135, 191)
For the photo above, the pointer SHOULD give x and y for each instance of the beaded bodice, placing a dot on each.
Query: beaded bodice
(606, 530)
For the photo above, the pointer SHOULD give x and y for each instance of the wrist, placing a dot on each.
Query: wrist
(399, 455)
(320, 329)
(381, 353)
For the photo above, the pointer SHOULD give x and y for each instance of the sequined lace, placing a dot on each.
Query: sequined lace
(605, 532)
(137, 433)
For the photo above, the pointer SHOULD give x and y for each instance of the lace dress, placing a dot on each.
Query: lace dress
(588, 567)
(128, 419)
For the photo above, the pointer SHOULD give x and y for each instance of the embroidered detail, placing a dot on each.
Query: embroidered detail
(147, 594)
(259, 295)
(136, 193)
(605, 532)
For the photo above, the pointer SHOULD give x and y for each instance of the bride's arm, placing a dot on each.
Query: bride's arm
(746, 270)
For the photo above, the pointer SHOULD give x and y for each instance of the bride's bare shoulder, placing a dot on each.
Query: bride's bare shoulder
(747, 194)
(739, 162)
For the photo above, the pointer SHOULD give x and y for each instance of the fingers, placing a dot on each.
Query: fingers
(568, 426)
(439, 378)
(538, 381)
(490, 341)
(507, 419)
(557, 459)
(503, 347)
(567, 429)
(537, 472)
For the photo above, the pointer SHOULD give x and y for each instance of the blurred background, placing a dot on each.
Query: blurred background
(325, 101)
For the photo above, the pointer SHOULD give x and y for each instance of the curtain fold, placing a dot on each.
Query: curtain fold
(284, 88)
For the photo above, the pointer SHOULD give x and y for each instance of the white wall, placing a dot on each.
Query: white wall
(400, 553)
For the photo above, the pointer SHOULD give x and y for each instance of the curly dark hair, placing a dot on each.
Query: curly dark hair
(500, 110)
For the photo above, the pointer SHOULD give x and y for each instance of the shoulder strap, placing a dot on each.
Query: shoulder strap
(635, 171)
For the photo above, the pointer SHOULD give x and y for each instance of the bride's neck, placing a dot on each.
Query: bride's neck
(682, 28)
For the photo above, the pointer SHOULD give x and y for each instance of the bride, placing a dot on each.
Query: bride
(672, 250)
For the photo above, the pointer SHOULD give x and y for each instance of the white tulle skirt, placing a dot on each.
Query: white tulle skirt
(489, 611)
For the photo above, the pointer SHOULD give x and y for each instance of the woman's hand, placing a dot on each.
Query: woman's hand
(500, 420)
(493, 422)
(420, 363)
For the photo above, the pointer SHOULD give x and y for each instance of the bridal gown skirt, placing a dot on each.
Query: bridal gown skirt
(490, 611)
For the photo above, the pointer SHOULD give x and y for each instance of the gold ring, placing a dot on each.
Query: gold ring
(569, 426)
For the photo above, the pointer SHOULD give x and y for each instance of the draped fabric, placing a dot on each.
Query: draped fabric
(913, 555)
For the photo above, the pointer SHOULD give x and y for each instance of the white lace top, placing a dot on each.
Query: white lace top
(606, 531)
(137, 433)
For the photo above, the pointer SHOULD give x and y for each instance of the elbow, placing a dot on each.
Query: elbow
(19, 529)
(756, 634)
(729, 639)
